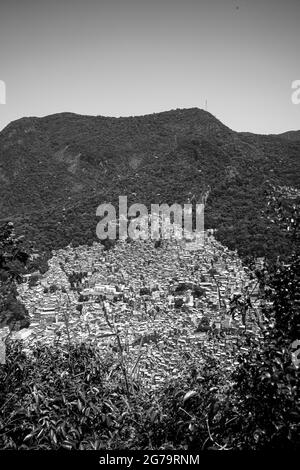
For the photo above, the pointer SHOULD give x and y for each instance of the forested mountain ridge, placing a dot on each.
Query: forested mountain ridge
(291, 135)
(56, 170)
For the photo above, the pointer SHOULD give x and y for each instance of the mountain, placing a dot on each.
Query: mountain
(291, 135)
(56, 170)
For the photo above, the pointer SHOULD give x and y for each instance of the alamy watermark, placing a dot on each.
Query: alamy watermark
(2, 92)
(163, 222)
(295, 97)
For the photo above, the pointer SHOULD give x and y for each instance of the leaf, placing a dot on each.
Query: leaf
(67, 445)
(53, 436)
(189, 395)
(192, 427)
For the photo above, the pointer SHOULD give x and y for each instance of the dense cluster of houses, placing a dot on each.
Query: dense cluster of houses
(153, 299)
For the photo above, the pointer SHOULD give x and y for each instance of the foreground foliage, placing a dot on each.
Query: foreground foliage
(78, 400)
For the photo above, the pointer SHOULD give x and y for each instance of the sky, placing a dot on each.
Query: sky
(136, 57)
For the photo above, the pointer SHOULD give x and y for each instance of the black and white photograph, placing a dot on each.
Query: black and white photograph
(149, 229)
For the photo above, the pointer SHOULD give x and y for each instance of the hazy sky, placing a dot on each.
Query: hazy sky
(123, 57)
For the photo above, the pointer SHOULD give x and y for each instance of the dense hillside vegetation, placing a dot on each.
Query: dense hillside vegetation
(291, 135)
(56, 170)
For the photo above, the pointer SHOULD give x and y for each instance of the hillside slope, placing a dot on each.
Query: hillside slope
(291, 135)
(56, 170)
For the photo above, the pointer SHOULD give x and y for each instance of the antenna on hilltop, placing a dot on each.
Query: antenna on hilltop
(205, 105)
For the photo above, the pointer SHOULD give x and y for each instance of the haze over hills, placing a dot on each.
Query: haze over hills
(56, 170)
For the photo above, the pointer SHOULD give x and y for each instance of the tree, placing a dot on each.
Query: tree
(13, 261)
(268, 377)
